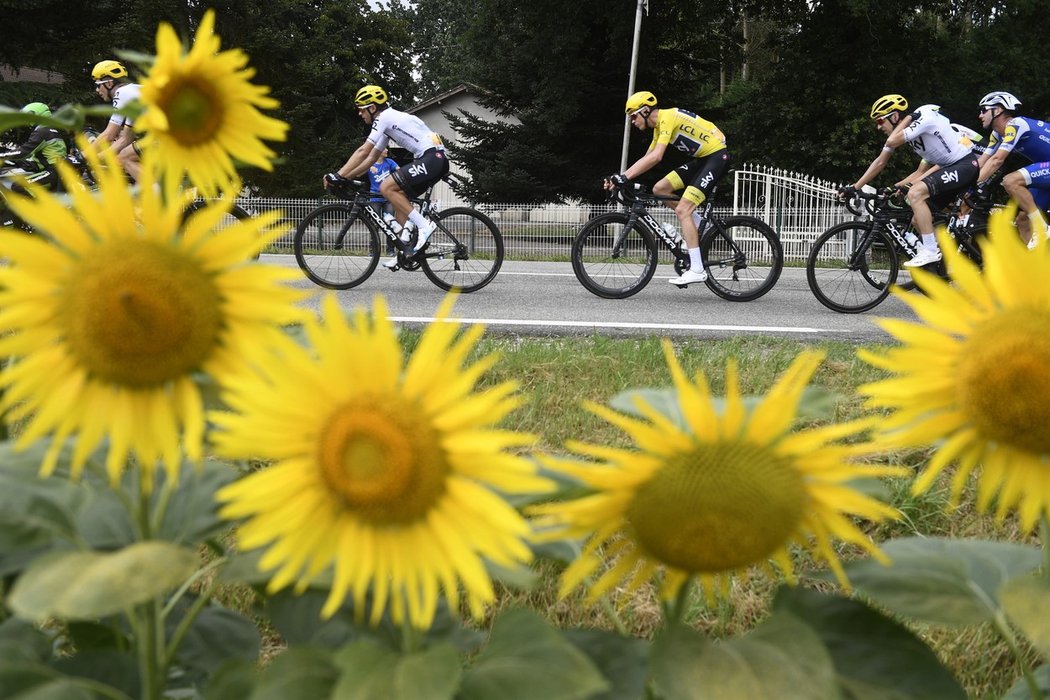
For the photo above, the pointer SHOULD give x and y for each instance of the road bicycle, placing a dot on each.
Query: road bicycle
(615, 254)
(852, 265)
(338, 245)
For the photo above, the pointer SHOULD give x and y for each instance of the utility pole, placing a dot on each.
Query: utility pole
(642, 5)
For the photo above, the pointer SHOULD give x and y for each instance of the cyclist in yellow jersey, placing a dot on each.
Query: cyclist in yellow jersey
(694, 136)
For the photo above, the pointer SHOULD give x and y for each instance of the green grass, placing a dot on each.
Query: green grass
(557, 374)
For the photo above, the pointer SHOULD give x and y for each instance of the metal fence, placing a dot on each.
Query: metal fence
(797, 206)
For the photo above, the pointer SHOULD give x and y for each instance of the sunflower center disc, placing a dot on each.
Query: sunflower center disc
(140, 314)
(721, 507)
(193, 110)
(1004, 386)
(385, 470)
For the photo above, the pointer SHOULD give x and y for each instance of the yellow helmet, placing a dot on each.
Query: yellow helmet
(638, 100)
(109, 69)
(886, 104)
(370, 95)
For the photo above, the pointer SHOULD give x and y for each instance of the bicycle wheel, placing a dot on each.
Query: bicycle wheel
(335, 247)
(465, 252)
(611, 260)
(743, 256)
(850, 267)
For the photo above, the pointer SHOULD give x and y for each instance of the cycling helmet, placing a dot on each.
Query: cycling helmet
(106, 70)
(1000, 99)
(38, 108)
(887, 104)
(370, 95)
(638, 100)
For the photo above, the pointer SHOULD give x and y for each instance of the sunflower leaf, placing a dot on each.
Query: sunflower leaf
(1027, 603)
(944, 581)
(622, 660)
(526, 659)
(298, 672)
(781, 658)
(1021, 691)
(87, 585)
(371, 672)
(874, 656)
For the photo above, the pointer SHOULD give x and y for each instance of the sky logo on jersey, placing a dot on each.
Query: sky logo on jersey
(417, 169)
(948, 178)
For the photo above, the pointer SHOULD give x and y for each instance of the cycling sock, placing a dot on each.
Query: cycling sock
(929, 241)
(416, 218)
(695, 261)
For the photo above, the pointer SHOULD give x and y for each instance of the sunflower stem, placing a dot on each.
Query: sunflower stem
(614, 616)
(410, 636)
(187, 621)
(678, 609)
(1005, 631)
(1044, 535)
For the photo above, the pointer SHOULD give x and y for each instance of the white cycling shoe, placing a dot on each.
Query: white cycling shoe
(689, 277)
(391, 262)
(925, 256)
(424, 235)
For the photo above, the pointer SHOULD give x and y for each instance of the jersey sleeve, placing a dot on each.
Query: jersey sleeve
(377, 136)
(1015, 129)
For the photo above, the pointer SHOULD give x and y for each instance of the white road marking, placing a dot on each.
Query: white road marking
(618, 324)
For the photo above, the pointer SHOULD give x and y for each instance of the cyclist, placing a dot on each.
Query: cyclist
(429, 164)
(45, 147)
(1028, 186)
(950, 154)
(112, 85)
(696, 137)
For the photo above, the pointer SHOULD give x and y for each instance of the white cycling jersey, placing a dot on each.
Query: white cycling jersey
(931, 135)
(122, 97)
(407, 129)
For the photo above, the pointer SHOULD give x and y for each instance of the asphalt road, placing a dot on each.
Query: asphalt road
(544, 299)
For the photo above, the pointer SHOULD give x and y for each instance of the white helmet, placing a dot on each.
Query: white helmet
(1000, 99)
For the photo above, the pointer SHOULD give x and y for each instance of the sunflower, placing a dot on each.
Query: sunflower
(111, 314)
(201, 111)
(712, 494)
(972, 376)
(387, 473)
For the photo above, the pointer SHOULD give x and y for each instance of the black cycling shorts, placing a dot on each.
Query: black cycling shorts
(417, 176)
(947, 183)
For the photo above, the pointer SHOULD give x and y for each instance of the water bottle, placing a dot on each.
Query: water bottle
(406, 232)
(391, 221)
(670, 230)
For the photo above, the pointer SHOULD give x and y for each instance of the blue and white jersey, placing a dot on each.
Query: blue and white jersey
(377, 173)
(1029, 137)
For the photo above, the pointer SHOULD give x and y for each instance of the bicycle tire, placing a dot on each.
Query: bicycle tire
(743, 258)
(613, 276)
(465, 252)
(851, 288)
(335, 250)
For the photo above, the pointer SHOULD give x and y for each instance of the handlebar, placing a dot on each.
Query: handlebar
(870, 201)
(636, 191)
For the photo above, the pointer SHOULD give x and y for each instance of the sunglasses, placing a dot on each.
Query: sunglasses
(985, 109)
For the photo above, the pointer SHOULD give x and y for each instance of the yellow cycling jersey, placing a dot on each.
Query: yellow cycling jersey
(693, 135)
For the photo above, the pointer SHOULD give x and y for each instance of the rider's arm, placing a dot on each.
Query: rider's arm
(360, 161)
(109, 134)
(991, 166)
(127, 135)
(653, 156)
(895, 140)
